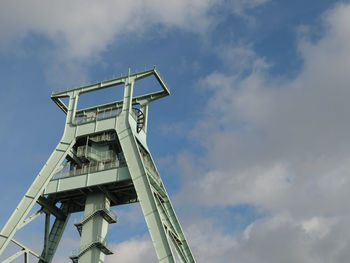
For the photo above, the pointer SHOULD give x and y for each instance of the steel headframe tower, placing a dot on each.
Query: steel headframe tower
(102, 160)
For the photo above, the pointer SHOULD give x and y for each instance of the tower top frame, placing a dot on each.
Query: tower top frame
(126, 79)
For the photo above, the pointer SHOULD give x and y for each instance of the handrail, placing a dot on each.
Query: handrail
(94, 114)
(89, 168)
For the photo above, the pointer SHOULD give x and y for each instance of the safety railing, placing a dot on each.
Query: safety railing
(106, 136)
(88, 168)
(94, 114)
(91, 153)
(91, 115)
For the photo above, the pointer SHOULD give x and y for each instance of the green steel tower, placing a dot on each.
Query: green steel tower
(101, 161)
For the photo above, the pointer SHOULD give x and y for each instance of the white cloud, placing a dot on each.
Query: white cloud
(135, 250)
(77, 33)
(264, 126)
(281, 144)
(316, 227)
(209, 242)
(241, 5)
(81, 29)
(276, 238)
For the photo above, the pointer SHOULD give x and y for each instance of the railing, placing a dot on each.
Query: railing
(90, 152)
(88, 168)
(106, 136)
(92, 115)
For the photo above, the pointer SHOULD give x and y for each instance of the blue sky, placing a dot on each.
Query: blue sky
(252, 145)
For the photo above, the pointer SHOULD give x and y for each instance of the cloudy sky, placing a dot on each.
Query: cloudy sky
(253, 144)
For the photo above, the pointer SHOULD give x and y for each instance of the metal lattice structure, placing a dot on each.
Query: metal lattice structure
(101, 161)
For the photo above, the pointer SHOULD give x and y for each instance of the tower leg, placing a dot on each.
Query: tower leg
(155, 203)
(145, 195)
(165, 209)
(33, 193)
(173, 226)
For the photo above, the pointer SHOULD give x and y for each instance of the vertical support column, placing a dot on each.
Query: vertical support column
(47, 233)
(128, 90)
(94, 229)
(72, 107)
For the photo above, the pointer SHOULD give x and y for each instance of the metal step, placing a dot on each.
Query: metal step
(99, 244)
(106, 214)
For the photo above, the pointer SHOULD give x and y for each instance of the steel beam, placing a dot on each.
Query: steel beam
(30, 219)
(27, 250)
(14, 256)
(53, 239)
